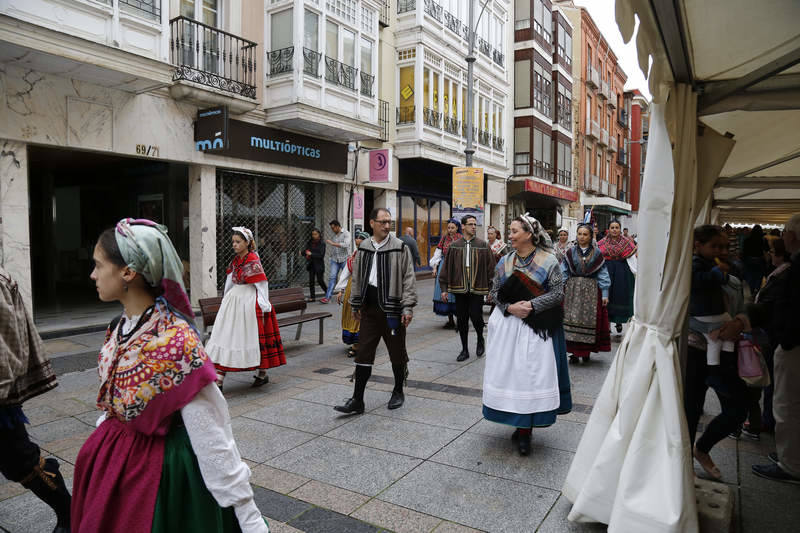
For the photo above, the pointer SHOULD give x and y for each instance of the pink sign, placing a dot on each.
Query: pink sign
(358, 206)
(379, 166)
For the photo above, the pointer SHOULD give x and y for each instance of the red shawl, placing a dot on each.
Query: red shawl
(350, 261)
(620, 248)
(246, 269)
(446, 241)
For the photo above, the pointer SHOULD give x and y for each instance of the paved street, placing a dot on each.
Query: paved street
(433, 465)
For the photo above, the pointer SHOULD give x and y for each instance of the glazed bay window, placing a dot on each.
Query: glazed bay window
(311, 55)
(340, 72)
(564, 107)
(542, 90)
(564, 159)
(542, 158)
(522, 83)
(281, 54)
(406, 108)
(522, 151)
(522, 14)
(367, 78)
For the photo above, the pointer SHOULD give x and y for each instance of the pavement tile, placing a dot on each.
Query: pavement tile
(395, 518)
(349, 466)
(319, 520)
(9, 489)
(436, 413)
(332, 394)
(281, 527)
(563, 435)
(74, 406)
(69, 455)
(26, 513)
(394, 435)
(297, 414)
(259, 441)
(556, 521)
(450, 527)
(278, 506)
(763, 511)
(472, 499)
(243, 409)
(545, 467)
(58, 430)
(41, 414)
(275, 479)
(278, 396)
(330, 497)
(89, 417)
(423, 370)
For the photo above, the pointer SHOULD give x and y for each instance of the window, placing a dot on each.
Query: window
(522, 83)
(564, 109)
(426, 88)
(144, 8)
(367, 20)
(281, 30)
(522, 154)
(542, 90)
(311, 31)
(522, 14)
(348, 47)
(407, 87)
(344, 9)
(366, 56)
(332, 40)
(538, 149)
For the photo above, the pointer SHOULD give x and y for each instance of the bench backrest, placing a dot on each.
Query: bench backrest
(283, 301)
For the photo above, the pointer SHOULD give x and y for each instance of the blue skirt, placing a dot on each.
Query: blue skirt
(548, 418)
(439, 307)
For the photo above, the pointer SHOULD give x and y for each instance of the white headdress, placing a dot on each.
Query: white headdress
(244, 231)
(540, 236)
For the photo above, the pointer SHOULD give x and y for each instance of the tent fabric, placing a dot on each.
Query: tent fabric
(633, 467)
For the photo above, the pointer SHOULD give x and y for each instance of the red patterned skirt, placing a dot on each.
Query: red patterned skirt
(269, 340)
(602, 341)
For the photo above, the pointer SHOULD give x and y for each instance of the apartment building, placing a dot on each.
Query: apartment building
(199, 114)
(426, 78)
(602, 129)
(543, 182)
(639, 112)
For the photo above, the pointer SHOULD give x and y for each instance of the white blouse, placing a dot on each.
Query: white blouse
(262, 290)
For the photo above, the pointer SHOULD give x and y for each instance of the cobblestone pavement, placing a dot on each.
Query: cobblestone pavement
(432, 465)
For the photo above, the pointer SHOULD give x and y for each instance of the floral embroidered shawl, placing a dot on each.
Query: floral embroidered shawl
(446, 241)
(246, 269)
(620, 248)
(576, 264)
(155, 373)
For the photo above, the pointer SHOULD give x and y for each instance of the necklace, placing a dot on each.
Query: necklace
(524, 257)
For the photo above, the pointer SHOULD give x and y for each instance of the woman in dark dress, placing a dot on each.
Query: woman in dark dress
(315, 262)
(754, 249)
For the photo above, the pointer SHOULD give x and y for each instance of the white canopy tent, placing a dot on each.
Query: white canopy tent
(724, 135)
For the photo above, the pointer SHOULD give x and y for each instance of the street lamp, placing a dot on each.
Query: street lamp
(473, 25)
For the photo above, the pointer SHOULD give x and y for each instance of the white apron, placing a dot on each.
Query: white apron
(234, 338)
(520, 374)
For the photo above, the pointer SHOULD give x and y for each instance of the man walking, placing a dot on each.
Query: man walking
(382, 295)
(467, 271)
(340, 250)
(411, 242)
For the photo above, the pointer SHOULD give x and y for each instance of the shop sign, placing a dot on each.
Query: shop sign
(216, 134)
(468, 192)
(358, 206)
(550, 190)
(379, 166)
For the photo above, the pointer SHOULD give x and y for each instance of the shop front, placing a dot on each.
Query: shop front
(548, 203)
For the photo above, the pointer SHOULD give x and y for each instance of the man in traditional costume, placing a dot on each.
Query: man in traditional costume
(25, 373)
(619, 251)
(467, 271)
(383, 295)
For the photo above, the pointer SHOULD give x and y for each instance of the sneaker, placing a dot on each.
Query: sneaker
(735, 434)
(749, 435)
(775, 473)
(324, 301)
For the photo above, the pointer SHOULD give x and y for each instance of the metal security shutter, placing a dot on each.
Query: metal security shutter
(281, 213)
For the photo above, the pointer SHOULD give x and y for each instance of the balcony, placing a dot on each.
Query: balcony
(484, 47)
(280, 61)
(542, 170)
(212, 66)
(612, 144)
(622, 196)
(484, 138)
(452, 125)
(603, 139)
(405, 6)
(622, 118)
(311, 61)
(383, 16)
(367, 82)
(591, 183)
(603, 187)
(564, 177)
(498, 57)
(383, 120)
(406, 115)
(592, 77)
(622, 157)
(592, 129)
(434, 10)
(612, 190)
(612, 100)
(452, 23)
(432, 118)
(498, 143)
(338, 73)
(563, 58)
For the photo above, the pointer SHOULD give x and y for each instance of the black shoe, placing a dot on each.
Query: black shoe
(397, 400)
(48, 484)
(481, 349)
(773, 456)
(259, 381)
(619, 328)
(524, 443)
(351, 406)
(449, 325)
(572, 359)
(775, 473)
(463, 356)
(515, 435)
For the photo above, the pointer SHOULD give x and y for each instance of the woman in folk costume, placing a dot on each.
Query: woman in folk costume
(562, 244)
(620, 255)
(163, 456)
(245, 335)
(526, 379)
(496, 244)
(586, 298)
(350, 325)
(447, 308)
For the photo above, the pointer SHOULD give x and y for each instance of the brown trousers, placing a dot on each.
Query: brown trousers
(374, 328)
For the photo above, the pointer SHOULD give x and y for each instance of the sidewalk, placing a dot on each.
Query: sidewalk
(432, 465)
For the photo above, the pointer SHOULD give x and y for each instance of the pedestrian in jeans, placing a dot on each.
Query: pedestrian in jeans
(716, 368)
(340, 251)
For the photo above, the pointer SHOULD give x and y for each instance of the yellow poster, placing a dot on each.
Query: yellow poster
(468, 192)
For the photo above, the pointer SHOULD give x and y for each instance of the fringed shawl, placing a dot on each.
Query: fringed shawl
(247, 269)
(620, 248)
(446, 241)
(583, 266)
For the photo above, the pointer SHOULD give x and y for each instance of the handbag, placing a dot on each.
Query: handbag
(751, 364)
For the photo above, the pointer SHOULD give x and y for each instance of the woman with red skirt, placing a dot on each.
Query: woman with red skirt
(586, 325)
(245, 335)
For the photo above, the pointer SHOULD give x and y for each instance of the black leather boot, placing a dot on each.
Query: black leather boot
(355, 405)
(463, 356)
(481, 348)
(524, 442)
(398, 398)
(48, 484)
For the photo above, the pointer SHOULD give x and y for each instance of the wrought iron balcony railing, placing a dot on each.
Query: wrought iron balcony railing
(311, 61)
(367, 81)
(465, 32)
(338, 73)
(498, 57)
(406, 114)
(147, 8)
(452, 125)
(432, 118)
(383, 17)
(383, 119)
(280, 61)
(564, 177)
(484, 138)
(452, 23)
(484, 47)
(433, 9)
(212, 57)
(498, 143)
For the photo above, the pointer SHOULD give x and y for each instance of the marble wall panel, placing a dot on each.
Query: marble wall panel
(15, 233)
(202, 232)
(89, 124)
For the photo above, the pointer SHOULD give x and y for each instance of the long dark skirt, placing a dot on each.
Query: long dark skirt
(620, 295)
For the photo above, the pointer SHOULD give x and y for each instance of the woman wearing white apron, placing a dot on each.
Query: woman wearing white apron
(245, 334)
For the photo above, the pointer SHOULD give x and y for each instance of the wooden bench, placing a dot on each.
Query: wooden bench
(282, 300)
